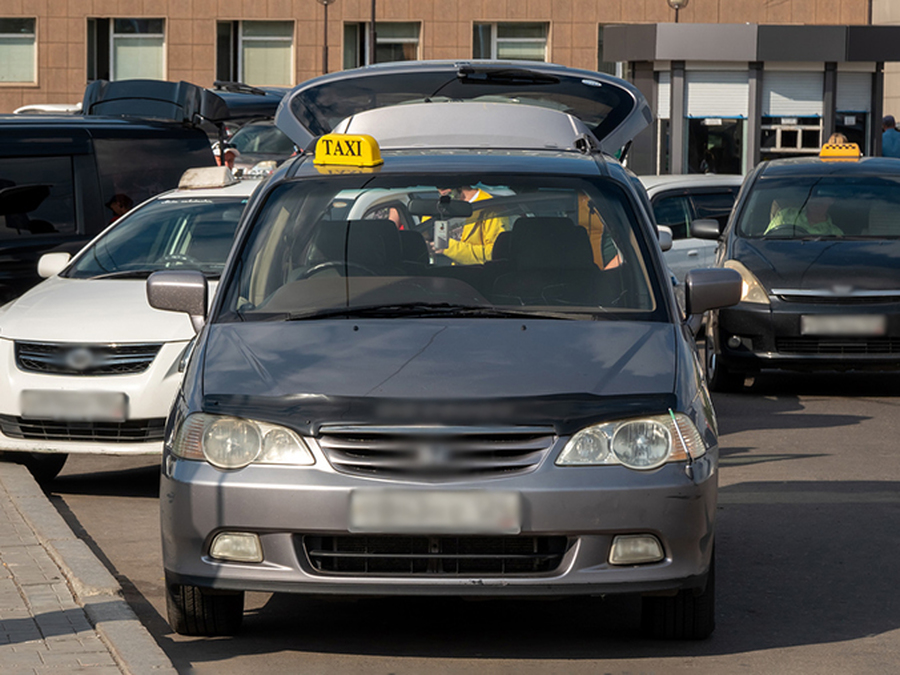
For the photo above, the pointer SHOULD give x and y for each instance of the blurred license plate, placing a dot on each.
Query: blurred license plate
(74, 406)
(415, 512)
(844, 325)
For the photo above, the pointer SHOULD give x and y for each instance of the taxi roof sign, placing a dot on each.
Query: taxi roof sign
(846, 152)
(360, 150)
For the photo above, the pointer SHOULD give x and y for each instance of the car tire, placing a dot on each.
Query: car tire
(719, 377)
(688, 615)
(196, 611)
(44, 467)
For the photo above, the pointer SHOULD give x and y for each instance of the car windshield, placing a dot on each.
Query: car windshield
(179, 233)
(564, 247)
(263, 137)
(809, 207)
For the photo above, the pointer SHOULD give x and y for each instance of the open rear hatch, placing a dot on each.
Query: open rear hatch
(612, 109)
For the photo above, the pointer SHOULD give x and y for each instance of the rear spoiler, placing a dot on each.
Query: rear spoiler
(180, 102)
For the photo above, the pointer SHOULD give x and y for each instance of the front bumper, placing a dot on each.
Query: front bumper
(149, 395)
(585, 506)
(771, 337)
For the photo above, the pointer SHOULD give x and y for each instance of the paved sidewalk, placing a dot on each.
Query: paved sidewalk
(61, 611)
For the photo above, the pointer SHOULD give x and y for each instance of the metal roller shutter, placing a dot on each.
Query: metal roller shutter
(854, 92)
(721, 93)
(792, 94)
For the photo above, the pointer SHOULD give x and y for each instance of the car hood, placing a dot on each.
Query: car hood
(822, 265)
(335, 369)
(91, 310)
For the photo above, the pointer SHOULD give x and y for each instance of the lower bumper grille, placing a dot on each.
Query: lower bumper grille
(434, 556)
(131, 431)
(833, 346)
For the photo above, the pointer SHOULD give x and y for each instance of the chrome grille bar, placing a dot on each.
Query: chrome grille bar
(446, 453)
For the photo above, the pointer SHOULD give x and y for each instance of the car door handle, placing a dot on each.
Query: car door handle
(693, 253)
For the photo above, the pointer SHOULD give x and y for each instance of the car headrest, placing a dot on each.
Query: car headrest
(371, 243)
(550, 243)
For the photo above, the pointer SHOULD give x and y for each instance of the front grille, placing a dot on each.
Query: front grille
(826, 298)
(838, 347)
(84, 359)
(131, 431)
(434, 556)
(435, 453)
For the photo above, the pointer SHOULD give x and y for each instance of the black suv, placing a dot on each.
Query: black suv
(64, 178)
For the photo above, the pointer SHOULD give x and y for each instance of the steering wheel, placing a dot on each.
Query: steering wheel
(180, 258)
(340, 266)
(793, 227)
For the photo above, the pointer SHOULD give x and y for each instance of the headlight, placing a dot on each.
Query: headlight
(643, 443)
(233, 442)
(752, 291)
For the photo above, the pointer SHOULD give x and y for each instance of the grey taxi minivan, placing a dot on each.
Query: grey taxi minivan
(445, 358)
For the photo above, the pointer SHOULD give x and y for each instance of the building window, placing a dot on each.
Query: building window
(394, 41)
(790, 136)
(123, 49)
(17, 50)
(604, 66)
(255, 52)
(519, 41)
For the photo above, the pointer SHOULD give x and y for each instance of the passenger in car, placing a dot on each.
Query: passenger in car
(472, 242)
(812, 218)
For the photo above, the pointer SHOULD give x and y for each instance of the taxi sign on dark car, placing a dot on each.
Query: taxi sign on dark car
(348, 150)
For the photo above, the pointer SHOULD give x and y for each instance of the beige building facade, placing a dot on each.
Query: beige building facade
(50, 49)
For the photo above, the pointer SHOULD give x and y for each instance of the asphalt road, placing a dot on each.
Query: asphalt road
(808, 540)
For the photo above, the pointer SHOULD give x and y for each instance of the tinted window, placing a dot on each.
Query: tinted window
(165, 234)
(37, 196)
(673, 212)
(133, 170)
(715, 205)
(560, 244)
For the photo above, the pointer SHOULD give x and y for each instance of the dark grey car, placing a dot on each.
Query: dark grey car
(496, 398)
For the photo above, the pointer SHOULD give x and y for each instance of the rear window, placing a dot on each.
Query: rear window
(565, 245)
(866, 207)
(37, 196)
(133, 170)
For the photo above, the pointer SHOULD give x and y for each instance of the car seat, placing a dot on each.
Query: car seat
(552, 264)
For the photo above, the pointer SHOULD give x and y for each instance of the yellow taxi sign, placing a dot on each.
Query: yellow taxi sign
(360, 150)
(840, 152)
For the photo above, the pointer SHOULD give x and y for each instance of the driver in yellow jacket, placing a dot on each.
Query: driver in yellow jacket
(471, 243)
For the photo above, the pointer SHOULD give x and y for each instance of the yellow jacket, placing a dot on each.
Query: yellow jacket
(477, 238)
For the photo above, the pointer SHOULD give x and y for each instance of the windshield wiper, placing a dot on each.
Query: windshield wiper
(444, 309)
(125, 274)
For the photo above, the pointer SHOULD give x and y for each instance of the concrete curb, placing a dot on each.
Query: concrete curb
(92, 585)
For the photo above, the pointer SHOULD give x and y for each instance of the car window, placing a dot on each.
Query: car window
(164, 234)
(261, 138)
(567, 244)
(37, 196)
(824, 206)
(673, 212)
(133, 170)
(716, 205)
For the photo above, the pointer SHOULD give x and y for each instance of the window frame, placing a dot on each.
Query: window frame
(114, 36)
(495, 40)
(241, 39)
(34, 51)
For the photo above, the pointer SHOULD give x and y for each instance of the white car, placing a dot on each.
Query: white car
(90, 366)
(679, 200)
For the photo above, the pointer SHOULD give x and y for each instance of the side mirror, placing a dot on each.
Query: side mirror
(706, 228)
(711, 289)
(51, 264)
(664, 234)
(175, 291)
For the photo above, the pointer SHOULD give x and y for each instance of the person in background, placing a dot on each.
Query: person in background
(119, 204)
(837, 138)
(472, 242)
(890, 137)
